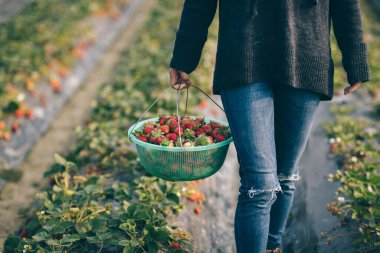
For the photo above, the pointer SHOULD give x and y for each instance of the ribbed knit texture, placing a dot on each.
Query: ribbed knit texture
(286, 42)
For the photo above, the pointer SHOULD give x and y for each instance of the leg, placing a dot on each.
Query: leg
(250, 113)
(294, 115)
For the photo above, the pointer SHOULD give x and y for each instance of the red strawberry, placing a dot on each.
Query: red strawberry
(15, 127)
(190, 125)
(220, 138)
(175, 245)
(149, 129)
(173, 125)
(170, 121)
(23, 233)
(215, 132)
(165, 129)
(28, 114)
(2, 125)
(197, 210)
(163, 120)
(159, 139)
(207, 128)
(143, 138)
(178, 130)
(214, 125)
(152, 139)
(200, 120)
(199, 131)
(19, 113)
(172, 137)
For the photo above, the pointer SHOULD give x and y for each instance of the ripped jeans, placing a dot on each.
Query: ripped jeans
(270, 125)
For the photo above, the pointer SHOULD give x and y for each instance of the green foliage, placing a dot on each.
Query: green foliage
(355, 144)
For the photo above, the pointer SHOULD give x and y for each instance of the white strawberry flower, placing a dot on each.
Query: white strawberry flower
(354, 159)
(331, 140)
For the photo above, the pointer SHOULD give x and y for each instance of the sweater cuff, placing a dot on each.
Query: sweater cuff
(355, 62)
(187, 52)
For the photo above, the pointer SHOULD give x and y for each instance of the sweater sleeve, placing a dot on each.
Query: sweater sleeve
(192, 33)
(348, 31)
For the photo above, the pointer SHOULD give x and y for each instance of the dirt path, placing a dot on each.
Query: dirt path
(18, 196)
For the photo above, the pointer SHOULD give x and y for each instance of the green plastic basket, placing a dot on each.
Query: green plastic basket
(177, 164)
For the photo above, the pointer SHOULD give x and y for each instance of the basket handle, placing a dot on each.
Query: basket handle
(177, 102)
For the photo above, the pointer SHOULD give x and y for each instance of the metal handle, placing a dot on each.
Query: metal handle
(177, 102)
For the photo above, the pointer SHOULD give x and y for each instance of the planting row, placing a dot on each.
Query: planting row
(39, 46)
(355, 144)
(100, 198)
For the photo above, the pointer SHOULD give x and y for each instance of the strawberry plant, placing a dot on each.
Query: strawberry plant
(355, 144)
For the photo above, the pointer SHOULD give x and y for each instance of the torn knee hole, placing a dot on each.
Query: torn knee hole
(293, 177)
(252, 192)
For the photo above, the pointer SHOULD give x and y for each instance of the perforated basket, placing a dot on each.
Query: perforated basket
(175, 164)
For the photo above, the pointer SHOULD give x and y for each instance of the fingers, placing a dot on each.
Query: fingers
(178, 79)
(351, 88)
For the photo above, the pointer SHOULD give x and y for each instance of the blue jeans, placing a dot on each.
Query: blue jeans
(270, 125)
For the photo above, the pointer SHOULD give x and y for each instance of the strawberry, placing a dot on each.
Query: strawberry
(159, 139)
(162, 120)
(143, 138)
(200, 120)
(220, 138)
(167, 142)
(171, 136)
(197, 210)
(199, 132)
(149, 129)
(15, 127)
(170, 121)
(7, 136)
(23, 233)
(28, 114)
(188, 144)
(214, 125)
(165, 129)
(204, 140)
(186, 118)
(178, 130)
(202, 104)
(151, 139)
(215, 132)
(2, 125)
(173, 125)
(190, 125)
(175, 245)
(19, 113)
(207, 128)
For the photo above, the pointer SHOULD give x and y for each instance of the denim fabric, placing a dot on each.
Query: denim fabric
(270, 125)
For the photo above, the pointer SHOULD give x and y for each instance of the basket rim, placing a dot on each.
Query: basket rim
(178, 149)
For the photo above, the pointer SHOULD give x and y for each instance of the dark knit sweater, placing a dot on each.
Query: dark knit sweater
(286, 42)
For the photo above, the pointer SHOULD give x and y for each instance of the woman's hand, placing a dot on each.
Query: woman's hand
(352, 88)
(179, 79)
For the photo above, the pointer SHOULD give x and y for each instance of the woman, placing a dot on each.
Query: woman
(273, 67)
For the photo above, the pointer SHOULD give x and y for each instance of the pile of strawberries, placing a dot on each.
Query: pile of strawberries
(194, 132)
